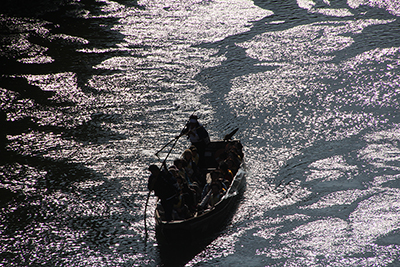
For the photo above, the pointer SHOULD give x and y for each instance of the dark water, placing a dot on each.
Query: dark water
(91, 90)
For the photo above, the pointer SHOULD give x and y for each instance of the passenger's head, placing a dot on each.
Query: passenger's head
(215, 188)
(173, 170)
(223, 166)
(230, 163)
(187, 155)
(194, 150)
(180, 163)
(215, 175)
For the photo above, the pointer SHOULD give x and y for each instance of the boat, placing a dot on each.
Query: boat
(212, 219)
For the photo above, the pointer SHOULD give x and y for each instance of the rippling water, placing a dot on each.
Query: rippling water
(91, 90)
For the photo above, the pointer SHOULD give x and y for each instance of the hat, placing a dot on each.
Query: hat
(173, 168)
(193, 119)
(187, 151)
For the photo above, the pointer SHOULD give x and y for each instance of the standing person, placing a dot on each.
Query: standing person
(165, 187)
(198, 136)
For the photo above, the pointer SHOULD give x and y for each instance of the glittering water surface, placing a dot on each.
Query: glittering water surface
(91, 90)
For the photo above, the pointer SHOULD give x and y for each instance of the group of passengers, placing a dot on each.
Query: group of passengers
(184, 189)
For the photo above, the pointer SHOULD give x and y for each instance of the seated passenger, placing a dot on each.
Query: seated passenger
(227, 175)
(213, 177)
(191, 168)
(216, 194)
(195, 155)
(234, 151)
(186, 200)
(213, 196)
(232, 166)
(239, 149)
(193, 184)
(165, 187)
(180, 165)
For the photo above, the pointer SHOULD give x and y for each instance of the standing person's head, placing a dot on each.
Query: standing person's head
(154, 169)
(193, 121)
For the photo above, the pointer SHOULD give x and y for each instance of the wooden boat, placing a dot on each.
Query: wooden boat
(210, 220)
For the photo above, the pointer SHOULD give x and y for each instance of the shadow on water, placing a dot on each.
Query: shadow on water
(30, 222)
(25, 206)
(359, 177)
(58, 17)
(179, 254)
(68, 19)
(238, 63)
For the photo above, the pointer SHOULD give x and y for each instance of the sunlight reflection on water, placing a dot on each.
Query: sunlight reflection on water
(315, 98)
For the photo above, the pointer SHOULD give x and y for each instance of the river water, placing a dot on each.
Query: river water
(91, 90)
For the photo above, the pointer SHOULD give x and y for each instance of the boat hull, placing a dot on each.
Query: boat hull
(209, 222)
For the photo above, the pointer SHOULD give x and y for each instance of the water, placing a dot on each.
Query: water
(91, 90)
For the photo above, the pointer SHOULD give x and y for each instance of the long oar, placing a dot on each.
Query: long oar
(182, 133)
(164, 147)
(165, 160)
(145, 211)
(151, 189)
